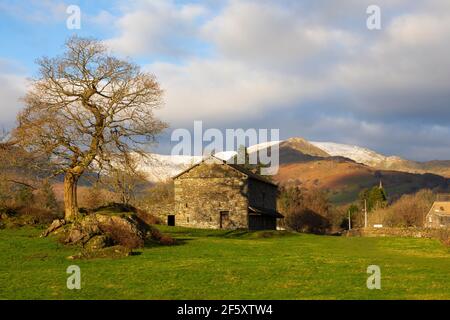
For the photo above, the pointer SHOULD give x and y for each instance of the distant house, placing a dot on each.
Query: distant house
(439, 215)
(215, 194)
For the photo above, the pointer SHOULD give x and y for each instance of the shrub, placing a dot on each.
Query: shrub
(22, 216)
(307, 221)
(163, 239)
(121, 235)
(155, 234)
(148, 218)
(408, 211)
(45, 197)
(444, 236)
(166, 240)
(36, 216)
(95, 196)
(115, 207)
(305, 210)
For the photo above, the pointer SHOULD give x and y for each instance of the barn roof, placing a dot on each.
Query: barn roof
(264, 212)
(441, 208)
(237, 167)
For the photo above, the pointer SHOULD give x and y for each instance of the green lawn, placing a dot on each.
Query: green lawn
(229, 265)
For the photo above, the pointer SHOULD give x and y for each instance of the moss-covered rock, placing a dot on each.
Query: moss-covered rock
(98, 242)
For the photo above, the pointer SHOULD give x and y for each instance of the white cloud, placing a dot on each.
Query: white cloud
(222, 90)
(272, 35)
(12, 88)
(264, 57)
(404, 73)
(156, 27)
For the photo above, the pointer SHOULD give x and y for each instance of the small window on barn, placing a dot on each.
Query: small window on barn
(442, 209)
(186, 205)
(187, 219)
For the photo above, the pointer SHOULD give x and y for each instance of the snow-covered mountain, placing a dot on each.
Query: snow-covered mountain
(355, 153)
(158, 167)
(262, 146)
(162, 167)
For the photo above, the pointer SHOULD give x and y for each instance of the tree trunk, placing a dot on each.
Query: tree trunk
(70, 197)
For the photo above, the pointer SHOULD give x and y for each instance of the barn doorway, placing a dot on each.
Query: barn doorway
(171, 220)
(224, 219)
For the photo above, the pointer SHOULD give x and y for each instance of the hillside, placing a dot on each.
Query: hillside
(342, 170)
(344, 178)
(379, 161)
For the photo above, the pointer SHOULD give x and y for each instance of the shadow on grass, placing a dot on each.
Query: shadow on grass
(155, 244)
(182, 232)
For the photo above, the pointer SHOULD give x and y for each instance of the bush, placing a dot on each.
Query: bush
(307, 221)
(408, 211)
(122, 236)
(22, 216)
(444, 236)
(114, 207)
(95, 196)
(148, 218)
(45, 197)
(305, 210)
(36, 216)
(7, 212)
(163, 239)
(166, 240)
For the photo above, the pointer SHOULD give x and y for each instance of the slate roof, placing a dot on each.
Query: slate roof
(237, 167)
(441, 208)
(264, 211)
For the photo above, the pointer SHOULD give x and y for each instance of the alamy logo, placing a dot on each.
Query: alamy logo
(374, 280)
(74, 280)
(374, 19)
(212, 141)
(74, 19)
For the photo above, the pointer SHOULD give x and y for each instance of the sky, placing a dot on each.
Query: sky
(310, 68)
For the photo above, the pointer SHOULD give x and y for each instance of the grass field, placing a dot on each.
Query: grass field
(229, 265)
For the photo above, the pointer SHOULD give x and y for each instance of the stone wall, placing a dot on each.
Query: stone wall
(262, 194)
(434, 220)
(208, 190)
(161, 210)
(395, 232)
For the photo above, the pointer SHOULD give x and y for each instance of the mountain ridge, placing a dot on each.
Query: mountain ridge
(295, 149)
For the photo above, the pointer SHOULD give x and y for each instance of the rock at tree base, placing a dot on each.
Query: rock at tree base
(98, 242)
(107, 236)
(56, 224)
(97, 231)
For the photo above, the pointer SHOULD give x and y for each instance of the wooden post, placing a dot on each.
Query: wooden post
(365, 213)
(349, 221)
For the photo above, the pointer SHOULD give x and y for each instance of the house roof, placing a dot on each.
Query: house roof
(265, 212)
(237, 167)
(441, 208)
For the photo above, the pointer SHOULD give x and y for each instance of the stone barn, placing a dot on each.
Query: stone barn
(214, 194)
(439, 215)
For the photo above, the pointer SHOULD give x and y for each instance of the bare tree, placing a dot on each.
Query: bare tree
(126, 179)
(17, 166)
(85, 109)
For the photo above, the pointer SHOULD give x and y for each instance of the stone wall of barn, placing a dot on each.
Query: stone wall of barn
(434, 220)
(262, 194)
(207, 191)
(160, 210)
